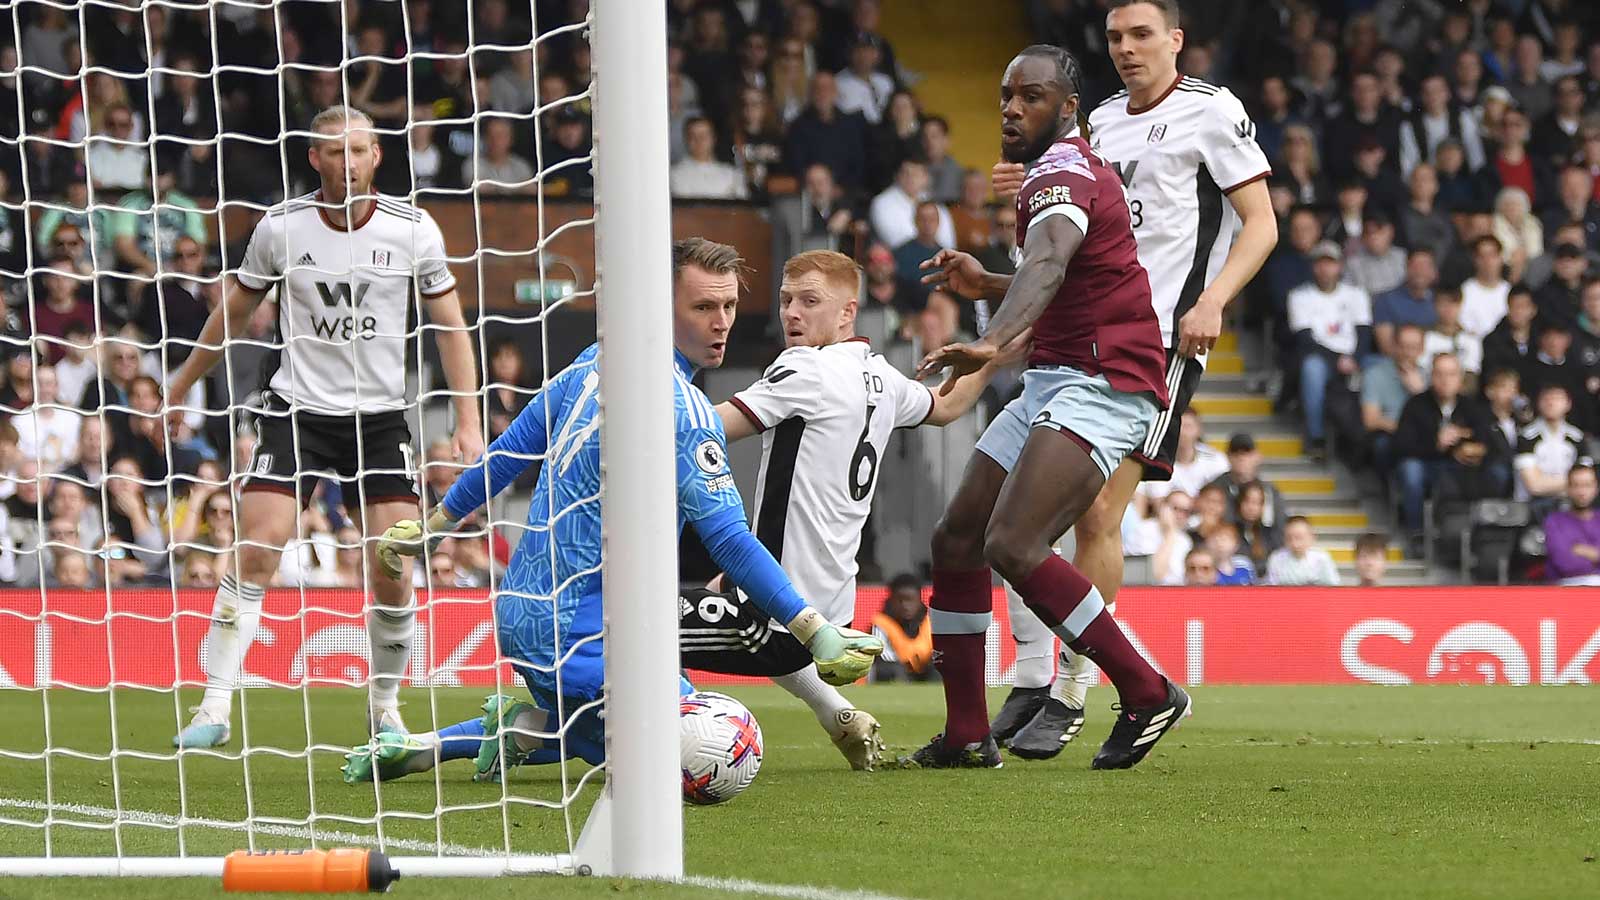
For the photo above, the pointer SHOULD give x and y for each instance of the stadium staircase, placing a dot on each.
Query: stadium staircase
(1326, 494)
(953, 52)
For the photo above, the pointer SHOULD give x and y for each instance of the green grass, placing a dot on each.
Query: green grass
(1270, 792)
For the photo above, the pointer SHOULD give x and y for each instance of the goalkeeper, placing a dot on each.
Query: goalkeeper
(549, 602)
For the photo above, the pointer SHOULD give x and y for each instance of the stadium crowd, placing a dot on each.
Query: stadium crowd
(1435, 293)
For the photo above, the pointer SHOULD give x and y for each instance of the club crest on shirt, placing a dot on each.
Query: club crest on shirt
(380, 258)
(1157, 132)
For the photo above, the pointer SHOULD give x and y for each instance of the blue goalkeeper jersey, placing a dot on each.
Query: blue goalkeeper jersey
(549, 600)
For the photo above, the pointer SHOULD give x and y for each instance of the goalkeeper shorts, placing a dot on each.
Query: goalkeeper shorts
(725, 632)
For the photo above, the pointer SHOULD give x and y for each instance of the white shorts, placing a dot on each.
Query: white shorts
(1107, 423)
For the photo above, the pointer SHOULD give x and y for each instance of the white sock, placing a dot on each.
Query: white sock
(234, 616)
(1036, 643)
(824, 699)
(1075, 675)
(389, 629)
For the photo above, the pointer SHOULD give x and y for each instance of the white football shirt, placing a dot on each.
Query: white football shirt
(344, 300)
(826, 415)
(1178, 159)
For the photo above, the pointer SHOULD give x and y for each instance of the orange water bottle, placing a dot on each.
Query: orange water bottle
(308, 871)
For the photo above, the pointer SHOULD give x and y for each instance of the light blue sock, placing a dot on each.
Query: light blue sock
(462, 740)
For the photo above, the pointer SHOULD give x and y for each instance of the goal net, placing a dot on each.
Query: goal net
(153, 137)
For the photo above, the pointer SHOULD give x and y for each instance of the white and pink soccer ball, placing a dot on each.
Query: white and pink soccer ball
(720, 745)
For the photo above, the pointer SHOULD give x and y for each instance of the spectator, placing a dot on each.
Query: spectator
(878, 318)
(150, 225)
(133, 524)
(1331, 322)
(1258, 538)
(1386, 385)
(1517, 229)
(1512, 344)
(701, 176)
(512, 88)
(1483, 296)
(186, 517)
(115, 161)
(1318, 84)
(1409, 304)
(1576, 201)
(824, 210)
(77, 366)
(1460, 189)
(1553, 364)
(1210, 512)
(789, 81)
(1195, 462)
(90, 466)
(1376, 266)
(1349, 214)
(1173, 542)
(1244, 469)
(932, 221)
(1561, 298)
(862, 88)
(971, 217)
(1527, 86)
(432, 164)
(1273, 117)
(186, 120)
(1002, 251)
(350, 558)
(1372, 559)
(47, 433)
(1500, 390)
(944, 173)
(907, 640)
(1367, 120)
(1423, 226)
(69, 505)
(893, 212)
(1302, 167)
(1435, 119)
(1289, 266)
(755, 55)
(895, 139)
(1297, 562)
(471, 558)
(826, 134)
(173, 309)
(1442, 435)
(61, 310)
(1587, 332)
(1447, 336)
(1385, 191)
(940, 321)
(1547, 449)
(199, 572)
(495, 169)
(1199, 568)
(70, 572)
(1555, 137)
(1565, 38)
(508, 391)
(1572, 535)
(1233, 568)
(566, 170)
(1512, 167)
(757, 139)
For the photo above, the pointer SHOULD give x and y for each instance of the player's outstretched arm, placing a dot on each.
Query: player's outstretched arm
(229, 317)
(460, 372)
(961, 272)
(957, 396)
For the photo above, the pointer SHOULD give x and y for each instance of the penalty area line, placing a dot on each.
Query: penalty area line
(788, 891)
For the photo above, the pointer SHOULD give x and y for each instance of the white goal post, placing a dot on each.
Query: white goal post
(635, 827)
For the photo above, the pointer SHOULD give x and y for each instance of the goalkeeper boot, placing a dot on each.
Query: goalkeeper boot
(204, 730)
(855, 733)
(389, 755)
(1048, 732)
(1138, 730)
(1021, 705)
(937, 754)
(500, 712)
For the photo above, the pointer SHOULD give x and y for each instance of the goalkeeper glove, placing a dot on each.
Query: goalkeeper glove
(842, 655)
(406, 538)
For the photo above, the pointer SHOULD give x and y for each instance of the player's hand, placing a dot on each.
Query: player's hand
(468, 444)
(958, 271)
(1015, 351)
(408, 538)
(843, 655)
(961, 359)
(1199, 328)
(1006, 178)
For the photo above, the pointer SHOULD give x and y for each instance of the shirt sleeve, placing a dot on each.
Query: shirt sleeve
(434, 278)
(913, 401)
(790, 387)
(262, 264)
(508, 457)
(1299, 311)
(1228, 145)
(1062, 185)
(1360, 307)
(705, 480)
(1525, 449)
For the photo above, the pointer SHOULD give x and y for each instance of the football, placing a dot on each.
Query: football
(720, 745)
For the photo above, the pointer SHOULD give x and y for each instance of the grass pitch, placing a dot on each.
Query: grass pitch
(1270, 792)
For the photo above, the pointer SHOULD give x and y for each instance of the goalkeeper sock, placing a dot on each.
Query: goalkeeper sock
(824, 699)
(461, 740)
(959, 614)
(390, 630)
(1076, 674)
(1035, 643)
(1065, 600)
(235, 613)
